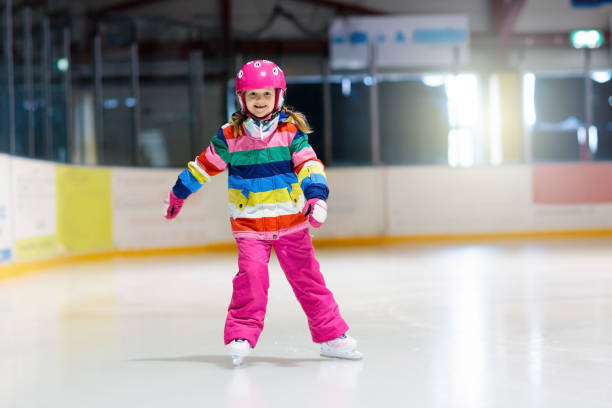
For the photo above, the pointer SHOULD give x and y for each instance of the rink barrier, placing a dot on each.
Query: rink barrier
(53, 214)
(25, 268)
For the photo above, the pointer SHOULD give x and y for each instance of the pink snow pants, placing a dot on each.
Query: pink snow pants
(295, 253)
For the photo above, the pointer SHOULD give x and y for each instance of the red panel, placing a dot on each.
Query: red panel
(572, 183)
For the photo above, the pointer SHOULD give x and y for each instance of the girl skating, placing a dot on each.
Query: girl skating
(277, 187)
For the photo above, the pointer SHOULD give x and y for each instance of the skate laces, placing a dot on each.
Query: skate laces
(338, 341)
(240, 341)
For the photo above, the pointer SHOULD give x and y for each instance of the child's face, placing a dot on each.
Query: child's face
(260, 102)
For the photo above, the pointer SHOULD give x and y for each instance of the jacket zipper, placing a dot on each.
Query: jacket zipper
(275, 235)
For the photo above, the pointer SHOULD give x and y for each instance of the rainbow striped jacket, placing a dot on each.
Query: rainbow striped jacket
(271, 176)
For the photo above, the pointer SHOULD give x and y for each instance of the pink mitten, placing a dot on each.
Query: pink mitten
(316, 211)
(173, 205)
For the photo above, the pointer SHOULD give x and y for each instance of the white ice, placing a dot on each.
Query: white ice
(509, 324)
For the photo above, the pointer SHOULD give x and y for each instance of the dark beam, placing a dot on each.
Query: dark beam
(504, 16)
(151, 51)
(559, 38)
(306, 46)
(28, 3)
(126, 6)
(226, 25)
(351, 8)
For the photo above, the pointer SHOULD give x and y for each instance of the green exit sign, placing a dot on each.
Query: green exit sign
(587, 38)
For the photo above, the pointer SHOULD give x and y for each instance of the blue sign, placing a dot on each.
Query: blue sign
(440, 36)
(400, 41)
(5, 255)
(358, 37)
(589, 3)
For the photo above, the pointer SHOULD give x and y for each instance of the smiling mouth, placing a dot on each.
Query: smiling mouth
(260, 107)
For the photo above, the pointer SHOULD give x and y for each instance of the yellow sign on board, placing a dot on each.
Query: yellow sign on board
(28, 249)
(84, 209)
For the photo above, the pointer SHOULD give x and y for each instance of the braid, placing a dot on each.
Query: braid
(237, 119)
(299, 119)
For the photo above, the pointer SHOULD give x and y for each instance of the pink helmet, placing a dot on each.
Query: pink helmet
(259, 74)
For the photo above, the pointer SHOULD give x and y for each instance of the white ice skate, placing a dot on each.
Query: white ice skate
(238, 349)
(343, 347)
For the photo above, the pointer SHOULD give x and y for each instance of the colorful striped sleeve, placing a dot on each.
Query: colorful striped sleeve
(309, 169)
(199, 171)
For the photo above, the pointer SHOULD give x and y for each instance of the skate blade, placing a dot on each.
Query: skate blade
(237, 361)
(353, 355)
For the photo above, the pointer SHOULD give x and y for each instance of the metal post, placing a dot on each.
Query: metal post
(482, 143)
(527, 129)
(70, 151)
(46, 64)
(29, 77)
(230, 99)
(584, 152)
(196, 92)
(327, 114)
(135, 71)
(99, 107)
(225, 10)
(10, 76)
(374, 114)
(588, 105)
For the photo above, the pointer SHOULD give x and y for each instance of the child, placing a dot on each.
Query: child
(276, 187)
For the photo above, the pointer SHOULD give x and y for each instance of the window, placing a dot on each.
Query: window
(602, 114)
(413, 122)
(165, 133)
(307, 97)
(351, 141)
(559, 113)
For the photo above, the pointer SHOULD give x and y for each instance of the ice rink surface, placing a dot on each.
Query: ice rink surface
(503, 324)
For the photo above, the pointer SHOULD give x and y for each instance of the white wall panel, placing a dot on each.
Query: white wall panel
(441, 200)
(138, 222)
(34, 198)
(34, 207)
(364, 202)
(6, 239)
(355, 203)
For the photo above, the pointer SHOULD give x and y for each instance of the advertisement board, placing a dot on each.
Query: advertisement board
(84, 213)
(35, 210)
(400, 41)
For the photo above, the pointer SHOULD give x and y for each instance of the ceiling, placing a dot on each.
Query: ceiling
(304, 18)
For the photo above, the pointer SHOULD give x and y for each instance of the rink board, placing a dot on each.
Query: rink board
(35, 209)
(6, 241)
(84, 209)
(481, 200)
(354, 206)
(56, 210)
(138, 205)
(443, 200)
(572, 183)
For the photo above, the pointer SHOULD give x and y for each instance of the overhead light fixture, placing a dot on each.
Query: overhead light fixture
(62, 64)
(601, 76)
(433, 80)
(586, 38)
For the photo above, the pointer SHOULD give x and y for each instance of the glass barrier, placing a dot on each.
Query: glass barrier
(116, 105)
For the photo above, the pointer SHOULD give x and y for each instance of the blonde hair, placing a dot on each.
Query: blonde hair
(298, 118)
